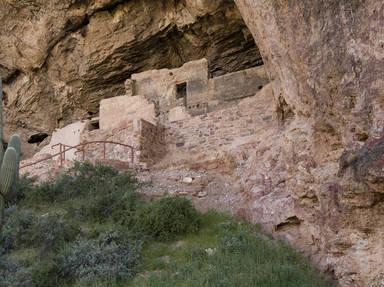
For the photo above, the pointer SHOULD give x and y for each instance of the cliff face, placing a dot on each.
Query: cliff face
(318, 179)
(315, 178)
(59, 58)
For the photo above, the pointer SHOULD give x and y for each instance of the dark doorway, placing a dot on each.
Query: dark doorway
(181, 93)
(37, 138)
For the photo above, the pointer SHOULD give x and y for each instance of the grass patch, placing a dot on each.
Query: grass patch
(226, 252)
(90, 227)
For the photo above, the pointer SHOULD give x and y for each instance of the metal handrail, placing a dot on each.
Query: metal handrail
(65, 148)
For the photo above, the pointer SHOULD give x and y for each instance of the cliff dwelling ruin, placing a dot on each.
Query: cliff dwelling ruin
(270, 110)
(158, 114)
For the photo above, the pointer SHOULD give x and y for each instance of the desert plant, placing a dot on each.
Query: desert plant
(9, 161)
(17, 229)
(168, 218)
(52, 230)
(24, 185)
(13, 274)
(107, 258)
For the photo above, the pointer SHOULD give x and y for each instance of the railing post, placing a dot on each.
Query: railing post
(64, 148)
(132, 155)
(61, 155)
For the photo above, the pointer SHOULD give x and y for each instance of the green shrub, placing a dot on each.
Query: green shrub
(17, 229)
(23, 186)
(168, 218)
(24, 229)
(47, 191)
(52, 230)
(107, 258)
(234, 243)
(120, 206)
(13, 274)
(83, 180)
(45, 274)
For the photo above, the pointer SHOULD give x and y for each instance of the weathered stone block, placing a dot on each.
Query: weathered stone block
(119, 110)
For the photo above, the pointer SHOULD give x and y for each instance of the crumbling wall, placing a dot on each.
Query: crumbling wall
(160, 86)
(190, 86)
(147, 140)
(151, 143)
(238, 85)
(120, 111)
(69, 135)
(221, 131)
(127, 134)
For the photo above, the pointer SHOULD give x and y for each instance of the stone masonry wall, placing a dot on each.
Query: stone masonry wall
(146, 138)
(238, 85)
(223, 130)
(126, 135)
(152, 143)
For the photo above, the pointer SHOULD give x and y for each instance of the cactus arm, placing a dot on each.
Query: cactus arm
(2, 208)
(1, 123)
(7, 176)
(15, 142)
(8, 170)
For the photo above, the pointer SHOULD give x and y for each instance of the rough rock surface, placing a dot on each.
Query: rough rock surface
(315, 178)
(318, 178)
(59, 58)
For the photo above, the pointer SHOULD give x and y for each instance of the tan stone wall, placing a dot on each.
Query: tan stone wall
(127, 134)
(152, 143)
(160, 85)
(202, 93)
(238, 85)
(119, 111)
(223, 130)
(146, 138)
(69, 135)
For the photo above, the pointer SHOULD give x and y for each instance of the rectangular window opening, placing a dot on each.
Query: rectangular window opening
(181, 91)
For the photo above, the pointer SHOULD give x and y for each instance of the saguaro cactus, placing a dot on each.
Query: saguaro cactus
(9, 161)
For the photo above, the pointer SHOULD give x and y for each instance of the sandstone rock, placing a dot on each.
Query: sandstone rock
(187, 179)
(178, 114)
(327, 60)
(59, 58)
(202, 194)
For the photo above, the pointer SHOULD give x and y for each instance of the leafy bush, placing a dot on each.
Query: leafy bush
(83, 180)
(119, 206)
(52, 230)
(22, 187)
(168, 218)
(24, 228)
(105, 258)
(45, 274)
(17, 229)
(13, 274)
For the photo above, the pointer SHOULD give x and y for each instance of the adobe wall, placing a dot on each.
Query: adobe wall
(69, 135)
(238, 85)
(202, 93)
(119, 111)
(127, 134)
(159, 86)
(151, 142)
(146, 138)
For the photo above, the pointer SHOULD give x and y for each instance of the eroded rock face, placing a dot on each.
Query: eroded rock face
(59, 58)
(315, 178)
(318, 178)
